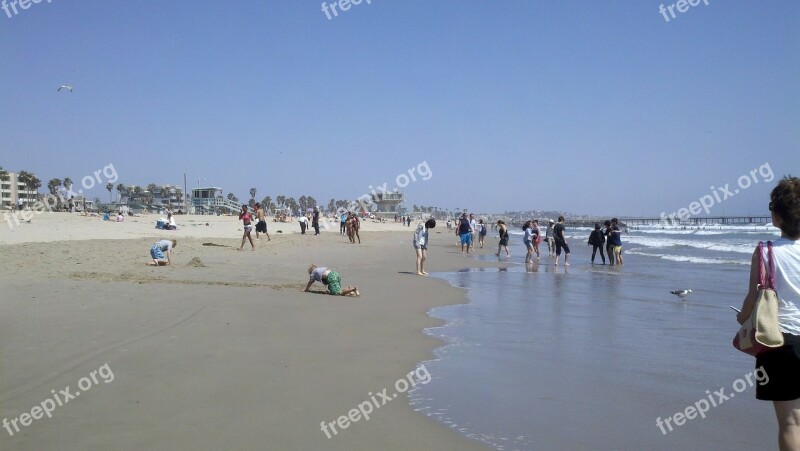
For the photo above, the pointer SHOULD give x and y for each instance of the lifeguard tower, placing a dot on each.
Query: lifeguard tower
(387, 203)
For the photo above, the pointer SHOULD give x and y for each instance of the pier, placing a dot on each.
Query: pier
(697, 221)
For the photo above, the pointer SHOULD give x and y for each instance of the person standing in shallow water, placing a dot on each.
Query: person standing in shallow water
(561, 241)
(502, 232)
(551, 244)
(597, 241)
(527, 240)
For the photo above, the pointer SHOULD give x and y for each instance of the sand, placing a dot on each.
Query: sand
(221, 350)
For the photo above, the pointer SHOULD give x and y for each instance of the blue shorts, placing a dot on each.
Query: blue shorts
(466, 238)
(156, 253)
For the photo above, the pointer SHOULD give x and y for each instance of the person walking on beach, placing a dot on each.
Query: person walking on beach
(353, 224)
(303, 223)
(421, 244)
(315, 221)
(331, 279)
(561, 241)
(342, 223)
(616, 242)
(473, 229)
(261, 225)
(157, 252)
(781, 367)
(246, 218)
(464, 233)
(481, 232)
(527, 239)
(597, 240)
(502, 231)
(551, 244)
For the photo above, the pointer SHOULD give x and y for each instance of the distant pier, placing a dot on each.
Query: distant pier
(698, 221)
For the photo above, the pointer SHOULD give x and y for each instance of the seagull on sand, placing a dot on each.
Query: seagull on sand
(681, 293)
(64, 87)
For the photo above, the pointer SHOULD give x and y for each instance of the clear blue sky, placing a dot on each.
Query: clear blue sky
(580, 106)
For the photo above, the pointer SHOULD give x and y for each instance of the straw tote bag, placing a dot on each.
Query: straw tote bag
(761, 331)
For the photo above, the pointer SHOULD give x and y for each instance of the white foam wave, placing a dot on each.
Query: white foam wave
(699, 260)
(662, 243)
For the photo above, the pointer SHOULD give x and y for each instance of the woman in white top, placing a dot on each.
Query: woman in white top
(782, 366)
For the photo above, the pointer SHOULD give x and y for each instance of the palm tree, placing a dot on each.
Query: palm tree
(253, 194)
(109, 187)
(281, 200)
(332, 206)
(303, 203)
(292, 204)
(120, 189)
(266, 202)
(3, 174)
(53, 185)
(310, 202)
(33, 184)
(68, 184)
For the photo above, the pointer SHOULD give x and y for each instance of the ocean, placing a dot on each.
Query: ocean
(599, 357)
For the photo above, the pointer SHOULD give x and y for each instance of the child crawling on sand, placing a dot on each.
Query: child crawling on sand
(329, 278)
(157, 252)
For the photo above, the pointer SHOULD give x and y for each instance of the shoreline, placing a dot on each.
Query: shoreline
(275, 361)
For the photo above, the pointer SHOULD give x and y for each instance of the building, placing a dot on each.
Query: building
(11, 190)
(210, 201)
(152, 195)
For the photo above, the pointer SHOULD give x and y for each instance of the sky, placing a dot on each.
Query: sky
(602, 108)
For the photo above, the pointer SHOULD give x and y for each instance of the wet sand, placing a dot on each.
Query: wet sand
(221, 350)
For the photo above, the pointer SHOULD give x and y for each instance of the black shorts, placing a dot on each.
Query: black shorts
(560, 245)
(261, 227)
(783, 369)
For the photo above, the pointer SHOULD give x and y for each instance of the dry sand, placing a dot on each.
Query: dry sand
(221, 350)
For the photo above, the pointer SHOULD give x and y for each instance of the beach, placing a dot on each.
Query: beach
(224, 350)
(221, 350)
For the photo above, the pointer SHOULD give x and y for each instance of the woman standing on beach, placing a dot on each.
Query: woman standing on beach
(782, 365)
(421, 244)
(502, 231)
(248, 227)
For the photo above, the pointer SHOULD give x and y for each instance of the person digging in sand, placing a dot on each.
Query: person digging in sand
(331, 279)
(157, 252)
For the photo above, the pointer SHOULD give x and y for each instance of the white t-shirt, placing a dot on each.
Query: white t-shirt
(786, 255)
(474, 225)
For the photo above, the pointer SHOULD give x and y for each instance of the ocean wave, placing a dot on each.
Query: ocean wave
(662, 243)
(686, 258)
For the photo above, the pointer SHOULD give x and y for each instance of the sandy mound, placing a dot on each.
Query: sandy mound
(195, 263)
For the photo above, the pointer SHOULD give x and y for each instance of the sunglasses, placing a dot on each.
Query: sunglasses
(771, 206)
